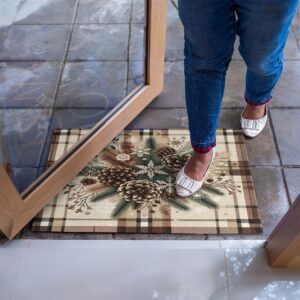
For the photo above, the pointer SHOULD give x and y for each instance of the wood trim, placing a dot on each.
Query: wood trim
(16, 215)
(157, 25)
(283, 245)
(9, 210)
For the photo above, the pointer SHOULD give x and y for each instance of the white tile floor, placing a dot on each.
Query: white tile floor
(141, 270)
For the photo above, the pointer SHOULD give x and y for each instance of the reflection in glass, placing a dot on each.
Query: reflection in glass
(63, 64)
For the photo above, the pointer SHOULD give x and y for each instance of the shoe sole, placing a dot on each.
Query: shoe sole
(252, 137)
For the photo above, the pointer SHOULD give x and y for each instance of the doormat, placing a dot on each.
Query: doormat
(129, 187)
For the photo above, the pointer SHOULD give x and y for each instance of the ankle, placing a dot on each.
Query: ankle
(254, 111)
(202, 156)
(198, 164)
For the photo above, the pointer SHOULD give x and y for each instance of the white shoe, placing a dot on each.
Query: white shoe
(252, 128)
(187, 186)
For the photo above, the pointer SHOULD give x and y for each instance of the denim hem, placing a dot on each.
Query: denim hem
(255, 103)
(205, 148)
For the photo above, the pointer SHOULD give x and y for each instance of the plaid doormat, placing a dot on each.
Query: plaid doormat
(129, 187)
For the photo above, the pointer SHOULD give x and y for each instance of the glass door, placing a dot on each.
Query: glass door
(84, 66)
(64, 65)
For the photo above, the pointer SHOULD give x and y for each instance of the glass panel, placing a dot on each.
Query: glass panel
(64, 64)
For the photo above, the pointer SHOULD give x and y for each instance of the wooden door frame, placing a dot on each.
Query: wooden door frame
(16, 211)
(283, 245)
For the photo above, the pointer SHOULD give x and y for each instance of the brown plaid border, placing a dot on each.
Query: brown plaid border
(237, 215)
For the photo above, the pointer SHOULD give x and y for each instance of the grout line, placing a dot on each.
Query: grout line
(58, 108)
(224, 107)
(275, 138)
(24, 167)
(128, 46)
(148, 108)
(168, 60)
(67, 61)
(127, 243)
(295, 35)
(280, 160)
(20, 256)
(286, 187)
(275, 166)
(227, 274)
(73, 23)
(174, 4)
(284, 107)
(59, 80)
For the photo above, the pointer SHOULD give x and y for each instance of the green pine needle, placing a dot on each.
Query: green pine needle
(150, 143)
(185, 150)
(136, 206)
(120, 208)
(155, 158)
(212, 189)
(160, 176)
(204, 200)
(177, 203)
(142, 177)
(90, 171)
(104, 195)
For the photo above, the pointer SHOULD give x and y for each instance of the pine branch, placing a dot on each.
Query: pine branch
(104, 195)
(204, 200)
(120, 208)
(141, 161)
(160, 176)
(142, 176)
(127, 147)
(136, 205)
(153, 156)
(212, 189)
(150, 143)
(185, 150)
(89, 171)
(165, 211)
(177, 203)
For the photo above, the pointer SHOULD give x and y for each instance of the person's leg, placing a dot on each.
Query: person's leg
(263, 27)
(209, 35)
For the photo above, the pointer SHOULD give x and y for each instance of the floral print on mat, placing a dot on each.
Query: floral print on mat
(142, 176)
(129, 187)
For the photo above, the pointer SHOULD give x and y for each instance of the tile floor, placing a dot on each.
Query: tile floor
(83, 266)
(59, 58)
(208, 270)
(275, 165)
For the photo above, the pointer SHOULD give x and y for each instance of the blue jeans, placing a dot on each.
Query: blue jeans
(210, 29)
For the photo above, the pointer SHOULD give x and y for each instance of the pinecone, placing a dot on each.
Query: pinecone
(89, 171)
(88, 181)
(171, 195)
(175, 161)
(127, 147)
(140, 191)
(114, 176)
(164, 151)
